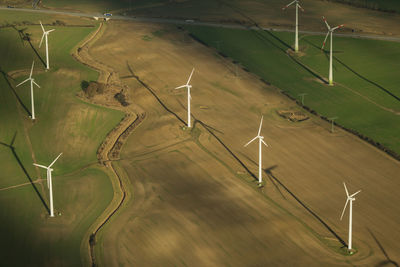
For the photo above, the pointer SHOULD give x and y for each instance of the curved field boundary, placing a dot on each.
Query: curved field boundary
(110, 148)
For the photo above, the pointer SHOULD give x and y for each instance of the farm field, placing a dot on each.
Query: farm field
(195, 201)
(385, 5)
(166, 195)
(266, 13)
(82, 189)
(366, 97)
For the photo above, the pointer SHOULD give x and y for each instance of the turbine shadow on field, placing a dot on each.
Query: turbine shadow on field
(322, 50)
(208, 129)
(388, 260)
(152, 92)
(6, 76)
(26, 37)
(12, 148)
(268, 170)
(22, 35)
(269, 173)
(264, 39)
(211, 127)
(37, 54)
(353, 71)
(367, 80)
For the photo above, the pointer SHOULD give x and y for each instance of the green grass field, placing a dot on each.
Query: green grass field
(64, 124)
(366, 96)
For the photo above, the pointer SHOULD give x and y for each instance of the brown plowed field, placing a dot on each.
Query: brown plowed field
(195, 204)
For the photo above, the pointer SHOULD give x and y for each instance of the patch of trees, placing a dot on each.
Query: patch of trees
(121, 99)
(92, 88)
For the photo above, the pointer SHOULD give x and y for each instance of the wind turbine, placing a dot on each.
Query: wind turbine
(350, 198)
(32, 83)
(260, 141)
(296, 44)
(49, 182)
(188, 86)
(330, 31)
(45, 35)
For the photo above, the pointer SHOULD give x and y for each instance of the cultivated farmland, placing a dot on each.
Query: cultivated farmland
(64, 124)
(191, 190)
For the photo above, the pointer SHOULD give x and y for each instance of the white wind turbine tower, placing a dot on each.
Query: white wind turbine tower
(45, 35)
(49, 182)
(296, 44)
(260, 141)
(330, 31)
(32, 83)
(350, 198)
(188, 86)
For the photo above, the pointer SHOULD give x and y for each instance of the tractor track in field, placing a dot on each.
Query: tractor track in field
(110, 148)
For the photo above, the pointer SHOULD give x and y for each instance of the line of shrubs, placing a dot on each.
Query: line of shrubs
(29, 23)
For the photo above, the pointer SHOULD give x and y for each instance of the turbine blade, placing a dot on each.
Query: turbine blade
(23, 82)
(41, 166)
(291, 3)
(345, 205)
(179, 87)
(41, 25)
(251, 141)
(264, 143)
(259, 129)
(33, 63)
(190, 77)
(302, 9)
(55, 160)
(337, 27)
(326, 37)
(327, 25)
(35, 83)
(345, 188)
(355, 193)
(50, 31)
(41, 41)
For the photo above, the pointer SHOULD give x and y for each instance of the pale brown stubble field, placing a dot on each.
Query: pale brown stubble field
(195, 204)
(268, 13)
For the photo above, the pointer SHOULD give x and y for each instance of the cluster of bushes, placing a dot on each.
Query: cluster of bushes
(59, 23)
(92, 88)
(121, 99)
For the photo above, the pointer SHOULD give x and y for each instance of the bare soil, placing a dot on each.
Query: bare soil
(195, 200)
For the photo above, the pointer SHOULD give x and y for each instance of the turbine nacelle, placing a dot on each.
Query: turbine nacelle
(330, 30)
(261, 138)
(349, 198)
(291, 3)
